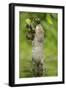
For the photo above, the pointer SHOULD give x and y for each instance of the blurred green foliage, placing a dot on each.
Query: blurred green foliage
(49, 22)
